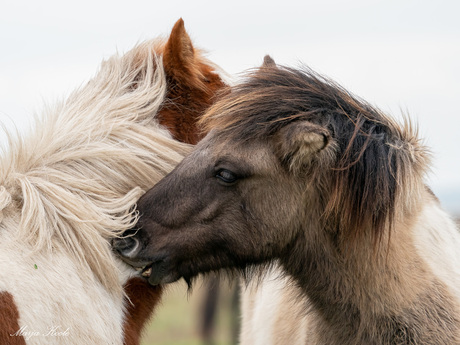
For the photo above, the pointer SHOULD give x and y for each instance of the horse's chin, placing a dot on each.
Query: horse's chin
(155, 280)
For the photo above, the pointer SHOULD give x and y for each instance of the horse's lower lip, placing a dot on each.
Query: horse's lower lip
(146, 271)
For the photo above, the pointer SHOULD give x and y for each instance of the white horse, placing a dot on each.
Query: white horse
(70, 185)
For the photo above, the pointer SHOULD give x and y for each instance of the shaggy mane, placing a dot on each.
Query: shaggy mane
(72, 183)
(374, 157)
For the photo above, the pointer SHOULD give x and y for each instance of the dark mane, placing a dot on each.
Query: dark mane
(375, 157)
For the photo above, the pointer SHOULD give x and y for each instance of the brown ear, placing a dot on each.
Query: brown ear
(179, 55)
(299, 141)
(192, 85)
(268, 61)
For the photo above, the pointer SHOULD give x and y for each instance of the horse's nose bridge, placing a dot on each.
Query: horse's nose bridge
(169, 203)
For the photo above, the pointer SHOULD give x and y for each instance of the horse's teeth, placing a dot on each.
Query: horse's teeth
(147, 272)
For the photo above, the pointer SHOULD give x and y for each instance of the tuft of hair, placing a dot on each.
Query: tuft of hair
(72, 182)
(372, 169)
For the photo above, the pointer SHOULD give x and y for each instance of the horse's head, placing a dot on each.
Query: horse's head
(291, 158)
(228, 204)
(236, 200)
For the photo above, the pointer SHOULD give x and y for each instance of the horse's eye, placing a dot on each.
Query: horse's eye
(226, 176)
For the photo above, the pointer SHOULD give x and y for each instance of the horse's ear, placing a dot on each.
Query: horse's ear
(179, 58)
(192, 85)
(268, 61)
(299, 141)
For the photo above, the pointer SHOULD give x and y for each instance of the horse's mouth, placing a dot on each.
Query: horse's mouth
(153, 272)
(146, 271)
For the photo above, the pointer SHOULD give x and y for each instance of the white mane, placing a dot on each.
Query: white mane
(71, 184)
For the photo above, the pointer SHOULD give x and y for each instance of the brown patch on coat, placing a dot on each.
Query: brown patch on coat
(143, 298)
(9, 321)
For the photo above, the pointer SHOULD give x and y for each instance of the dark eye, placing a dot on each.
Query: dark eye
(226, 176)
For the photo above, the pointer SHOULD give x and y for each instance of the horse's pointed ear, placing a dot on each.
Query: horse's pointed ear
(179, 54)
(268, 61)
(191, 86)
(299, 142)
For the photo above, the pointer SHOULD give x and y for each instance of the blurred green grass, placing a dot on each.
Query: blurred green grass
(178, 318)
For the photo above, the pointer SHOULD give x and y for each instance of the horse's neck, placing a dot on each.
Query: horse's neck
(406, 292)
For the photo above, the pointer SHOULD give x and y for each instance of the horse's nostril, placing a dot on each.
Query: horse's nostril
(126, 246)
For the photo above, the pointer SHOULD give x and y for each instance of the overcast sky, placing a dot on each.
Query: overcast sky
(403, 56)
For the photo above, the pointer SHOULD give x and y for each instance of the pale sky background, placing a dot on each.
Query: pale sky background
(400, 55)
